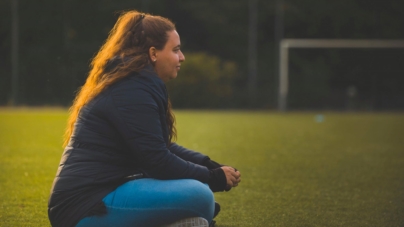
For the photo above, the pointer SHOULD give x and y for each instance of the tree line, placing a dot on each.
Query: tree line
(57, 40)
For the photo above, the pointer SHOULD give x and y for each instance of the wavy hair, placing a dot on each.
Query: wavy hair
(131, 38)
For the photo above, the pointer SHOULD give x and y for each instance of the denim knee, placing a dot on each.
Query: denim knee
(200, 198)
(151, 202)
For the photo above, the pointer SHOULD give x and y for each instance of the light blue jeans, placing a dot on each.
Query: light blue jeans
(151, 202)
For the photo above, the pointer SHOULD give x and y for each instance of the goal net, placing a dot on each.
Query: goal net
(351, 91)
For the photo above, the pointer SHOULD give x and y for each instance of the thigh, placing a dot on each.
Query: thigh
(151, 202)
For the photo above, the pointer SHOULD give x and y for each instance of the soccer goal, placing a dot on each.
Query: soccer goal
(319, 43)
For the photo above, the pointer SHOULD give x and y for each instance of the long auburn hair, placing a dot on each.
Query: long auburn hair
(131, 38)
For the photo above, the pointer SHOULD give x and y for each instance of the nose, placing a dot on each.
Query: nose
(182, 57)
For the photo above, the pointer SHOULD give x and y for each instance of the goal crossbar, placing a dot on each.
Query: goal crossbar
(320, 43)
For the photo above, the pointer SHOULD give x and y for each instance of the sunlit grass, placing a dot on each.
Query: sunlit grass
(30, 146)
(344, 171)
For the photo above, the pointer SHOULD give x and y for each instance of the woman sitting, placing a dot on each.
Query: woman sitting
(120, 166)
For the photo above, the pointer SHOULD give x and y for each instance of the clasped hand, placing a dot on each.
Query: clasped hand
(233, 177)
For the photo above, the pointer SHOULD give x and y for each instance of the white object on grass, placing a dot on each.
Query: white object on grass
(190, 222)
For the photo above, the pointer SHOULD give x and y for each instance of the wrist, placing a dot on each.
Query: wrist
(217, 180)
(210, 164)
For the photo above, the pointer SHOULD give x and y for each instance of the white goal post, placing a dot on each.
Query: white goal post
(285, 44)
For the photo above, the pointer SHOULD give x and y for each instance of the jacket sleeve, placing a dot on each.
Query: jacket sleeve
(188, 155)
(135, 114)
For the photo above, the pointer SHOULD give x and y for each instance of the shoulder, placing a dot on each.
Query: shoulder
(139, 87)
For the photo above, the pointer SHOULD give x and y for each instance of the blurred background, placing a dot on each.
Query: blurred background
(231, 49)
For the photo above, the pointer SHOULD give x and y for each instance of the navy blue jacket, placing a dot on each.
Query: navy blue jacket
(121, 132)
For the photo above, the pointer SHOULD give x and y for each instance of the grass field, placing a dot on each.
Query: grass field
(345, 171)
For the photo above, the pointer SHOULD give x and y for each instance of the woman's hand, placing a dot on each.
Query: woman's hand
(233, 177)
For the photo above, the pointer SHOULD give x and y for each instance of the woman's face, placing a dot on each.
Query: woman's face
(167, 62)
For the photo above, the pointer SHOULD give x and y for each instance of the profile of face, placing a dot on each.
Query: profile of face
(167, 62)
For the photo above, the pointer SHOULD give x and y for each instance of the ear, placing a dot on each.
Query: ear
(153, 54)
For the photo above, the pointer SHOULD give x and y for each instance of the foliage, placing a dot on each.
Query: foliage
(58, 39)
(345, 170)
(204, 81)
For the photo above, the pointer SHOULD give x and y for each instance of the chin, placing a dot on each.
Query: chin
(173, 76)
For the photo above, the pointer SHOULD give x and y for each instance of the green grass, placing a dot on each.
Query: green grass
(345, 171)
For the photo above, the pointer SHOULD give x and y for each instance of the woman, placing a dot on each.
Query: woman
(120, 166)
